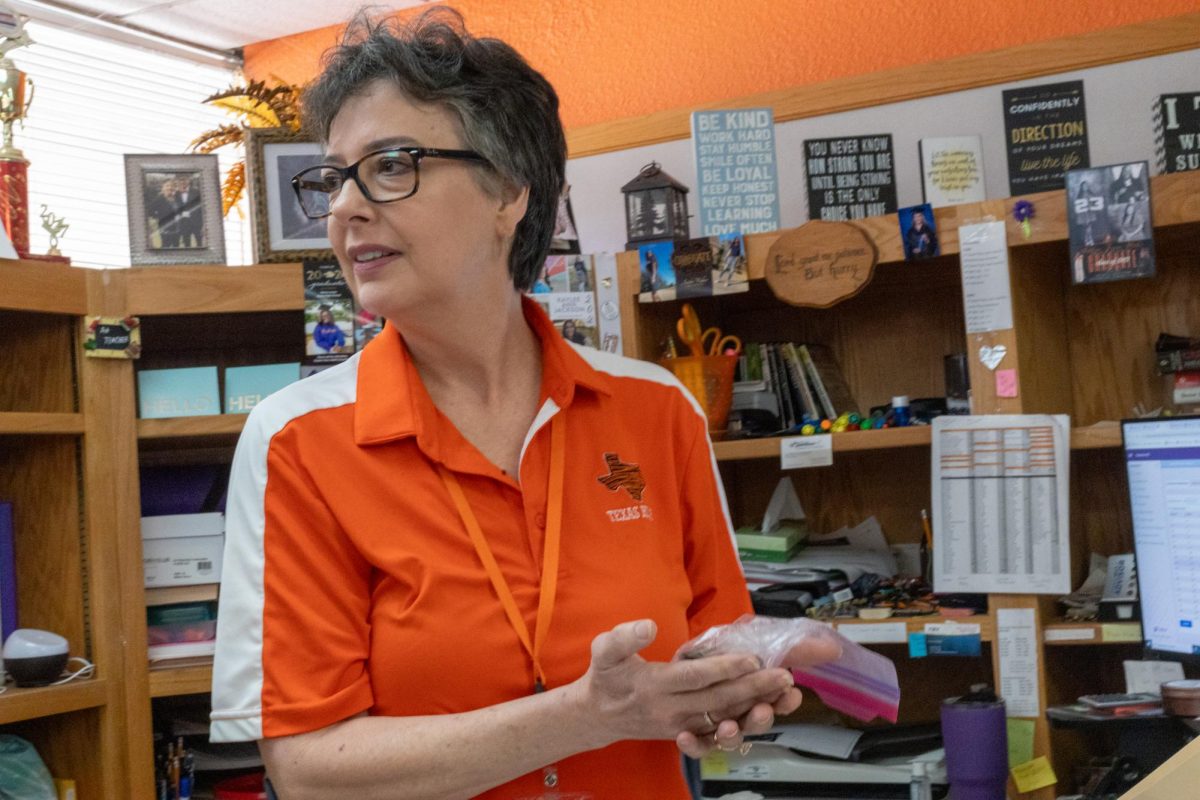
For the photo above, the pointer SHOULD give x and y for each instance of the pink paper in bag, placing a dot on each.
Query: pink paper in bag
(859, 682)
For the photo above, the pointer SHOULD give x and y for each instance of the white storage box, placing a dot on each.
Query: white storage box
(182, 549)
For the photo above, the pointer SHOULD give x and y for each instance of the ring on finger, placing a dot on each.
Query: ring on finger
(709, 719)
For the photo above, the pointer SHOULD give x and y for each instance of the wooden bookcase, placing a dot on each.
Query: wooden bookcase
(61, 467)
(71, 448)
(204, 316)
(1086, 351)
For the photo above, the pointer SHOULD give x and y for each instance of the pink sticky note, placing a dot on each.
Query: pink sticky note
(1006, 383)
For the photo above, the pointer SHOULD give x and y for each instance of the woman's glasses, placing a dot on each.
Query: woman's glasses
(383, 176)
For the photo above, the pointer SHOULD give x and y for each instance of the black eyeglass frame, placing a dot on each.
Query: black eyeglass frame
(351, 172)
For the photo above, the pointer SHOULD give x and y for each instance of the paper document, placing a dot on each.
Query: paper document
(831, 741)
(867, 535)
(1000, 504)
(987, 294)
(1149, 676)
(1016, 638)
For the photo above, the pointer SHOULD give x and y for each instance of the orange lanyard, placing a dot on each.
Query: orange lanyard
(549, 585)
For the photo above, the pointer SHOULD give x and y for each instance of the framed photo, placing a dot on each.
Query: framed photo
(281, 230)
(174, 206)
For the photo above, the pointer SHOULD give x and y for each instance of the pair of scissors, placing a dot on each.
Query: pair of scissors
(704, 341)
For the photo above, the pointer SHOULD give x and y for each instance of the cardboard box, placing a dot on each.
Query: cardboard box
(182, 549)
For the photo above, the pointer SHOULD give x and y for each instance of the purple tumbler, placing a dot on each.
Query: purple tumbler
(976, 738)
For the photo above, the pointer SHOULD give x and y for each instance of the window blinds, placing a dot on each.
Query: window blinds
(95, 100)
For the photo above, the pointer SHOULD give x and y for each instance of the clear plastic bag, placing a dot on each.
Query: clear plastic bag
(858, 682)
(23, 776)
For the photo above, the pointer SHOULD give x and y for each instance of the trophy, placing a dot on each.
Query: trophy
(55, 226)
(14, 102)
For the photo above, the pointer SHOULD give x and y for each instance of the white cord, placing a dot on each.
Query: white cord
(86, 671)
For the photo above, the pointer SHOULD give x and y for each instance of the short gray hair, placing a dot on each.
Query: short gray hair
(508, 110)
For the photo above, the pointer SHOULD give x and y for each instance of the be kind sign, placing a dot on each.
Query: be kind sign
(735, 166)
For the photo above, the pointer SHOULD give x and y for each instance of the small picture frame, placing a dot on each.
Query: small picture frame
(918, 232)
(174, 204)
(281, 231)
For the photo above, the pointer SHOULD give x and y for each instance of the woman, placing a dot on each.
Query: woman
(573, 334)
(651, 282)
(327, 336)
(455, 564)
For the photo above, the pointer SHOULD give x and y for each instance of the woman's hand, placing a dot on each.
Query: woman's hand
(699, 703)
(761, 716)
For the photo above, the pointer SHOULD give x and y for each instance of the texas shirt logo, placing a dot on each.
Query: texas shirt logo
(623, 476)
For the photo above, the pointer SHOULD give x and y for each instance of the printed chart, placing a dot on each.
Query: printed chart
(1000, 504)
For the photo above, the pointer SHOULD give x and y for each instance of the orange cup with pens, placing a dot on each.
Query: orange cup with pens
(708, 371)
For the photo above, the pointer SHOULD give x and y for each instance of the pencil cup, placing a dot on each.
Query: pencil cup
(710, 380)
(976, 748)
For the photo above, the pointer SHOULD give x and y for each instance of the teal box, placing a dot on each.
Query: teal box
(189, 392)
(245, 387)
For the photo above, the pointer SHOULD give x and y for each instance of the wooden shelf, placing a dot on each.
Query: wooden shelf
(17, 705)
(181, 680)
(1100, 435)
(25, 423)
(43, 286)
(180, 427)
(1091, 633)
(216, 289)
(1096, 437)
(987, 627)
(847, 442)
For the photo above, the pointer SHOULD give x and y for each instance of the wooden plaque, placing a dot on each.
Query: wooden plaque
(820, 263)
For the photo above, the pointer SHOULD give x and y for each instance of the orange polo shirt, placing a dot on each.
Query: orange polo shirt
(350, 584)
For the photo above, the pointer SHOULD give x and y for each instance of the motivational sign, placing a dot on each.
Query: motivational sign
(850, 178)
(820, 264)
(735, 167)
(952, 170)
(1177, 132)
(1046, 130)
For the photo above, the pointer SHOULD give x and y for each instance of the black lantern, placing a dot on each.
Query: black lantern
(655, 207)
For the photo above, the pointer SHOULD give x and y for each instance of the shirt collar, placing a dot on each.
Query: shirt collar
(391, 402)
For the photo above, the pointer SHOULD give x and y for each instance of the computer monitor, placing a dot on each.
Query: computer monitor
(1162, 458)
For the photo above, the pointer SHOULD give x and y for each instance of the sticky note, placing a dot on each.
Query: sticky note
(1034, 774)
(917, 647)
(714, 765)
(1121, 632)
(1020, 741)
(1006, 383)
